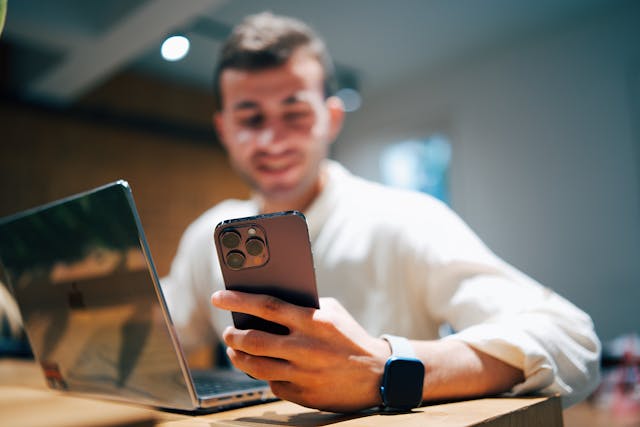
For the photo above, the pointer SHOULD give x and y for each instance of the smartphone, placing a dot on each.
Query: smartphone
(267, 254)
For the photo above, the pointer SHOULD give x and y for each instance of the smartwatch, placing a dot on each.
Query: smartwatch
(403, 378)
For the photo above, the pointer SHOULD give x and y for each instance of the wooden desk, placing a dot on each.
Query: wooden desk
(24, 402)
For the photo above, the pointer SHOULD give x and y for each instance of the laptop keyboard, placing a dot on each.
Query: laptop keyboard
(208, 383)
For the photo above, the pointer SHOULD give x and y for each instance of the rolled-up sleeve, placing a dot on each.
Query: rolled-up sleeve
(547, 337)
(502, 312)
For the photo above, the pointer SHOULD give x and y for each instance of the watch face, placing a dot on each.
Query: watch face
(402, 383)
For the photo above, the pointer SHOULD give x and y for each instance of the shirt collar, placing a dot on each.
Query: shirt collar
(318, 212)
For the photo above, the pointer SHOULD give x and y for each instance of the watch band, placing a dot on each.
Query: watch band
(400, 346)
(402, 383)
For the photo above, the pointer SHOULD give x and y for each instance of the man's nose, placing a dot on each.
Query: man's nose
(273, 132)
(264, 137)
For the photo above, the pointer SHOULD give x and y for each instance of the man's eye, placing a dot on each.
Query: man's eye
(253, 121)
(297, 116)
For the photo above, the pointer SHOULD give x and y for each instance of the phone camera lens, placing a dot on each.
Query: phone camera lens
(255, 246)
(235, 259)
(230, 239)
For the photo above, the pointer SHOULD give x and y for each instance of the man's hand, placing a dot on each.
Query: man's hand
(328, 361)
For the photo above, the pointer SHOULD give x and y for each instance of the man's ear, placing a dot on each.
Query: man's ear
(218, 126)
(336, 116)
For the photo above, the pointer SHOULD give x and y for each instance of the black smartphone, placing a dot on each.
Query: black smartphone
(267, 254)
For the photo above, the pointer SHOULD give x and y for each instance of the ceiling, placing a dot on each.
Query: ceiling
(61, 50)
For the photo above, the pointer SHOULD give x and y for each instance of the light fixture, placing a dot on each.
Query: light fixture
(174, 48)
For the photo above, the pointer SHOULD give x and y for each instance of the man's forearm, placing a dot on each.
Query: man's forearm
(454, 369)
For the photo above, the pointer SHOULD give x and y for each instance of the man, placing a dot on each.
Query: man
(395, 262)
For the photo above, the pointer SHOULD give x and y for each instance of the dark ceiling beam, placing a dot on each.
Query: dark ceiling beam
(93, 61)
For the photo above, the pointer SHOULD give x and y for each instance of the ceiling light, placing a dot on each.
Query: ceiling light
(175, 48)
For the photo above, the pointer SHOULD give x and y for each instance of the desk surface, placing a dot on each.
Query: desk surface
(24, 401)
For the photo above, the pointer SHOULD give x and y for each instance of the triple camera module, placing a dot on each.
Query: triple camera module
(244, 247)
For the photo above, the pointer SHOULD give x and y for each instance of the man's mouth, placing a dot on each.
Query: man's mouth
(275, 165)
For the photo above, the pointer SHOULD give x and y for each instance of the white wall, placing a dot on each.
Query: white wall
(545, 145)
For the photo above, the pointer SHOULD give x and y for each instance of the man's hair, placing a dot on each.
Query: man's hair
(266, 41)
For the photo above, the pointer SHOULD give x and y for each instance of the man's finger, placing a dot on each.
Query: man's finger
(257, 343)
(264, 306)
(286, 390)
(262, 368)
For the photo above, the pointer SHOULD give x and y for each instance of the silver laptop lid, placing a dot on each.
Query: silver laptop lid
(92, 308)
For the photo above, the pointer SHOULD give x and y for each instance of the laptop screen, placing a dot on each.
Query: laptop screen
(90, 301)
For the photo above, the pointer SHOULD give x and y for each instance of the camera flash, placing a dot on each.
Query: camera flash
(251, 232)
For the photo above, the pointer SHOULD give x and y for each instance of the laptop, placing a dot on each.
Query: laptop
(82, 275)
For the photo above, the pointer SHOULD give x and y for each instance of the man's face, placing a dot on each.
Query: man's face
(277, 126)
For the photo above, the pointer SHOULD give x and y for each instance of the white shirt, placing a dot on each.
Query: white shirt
(403, 263)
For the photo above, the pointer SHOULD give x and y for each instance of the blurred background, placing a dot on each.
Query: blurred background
(524, 116)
